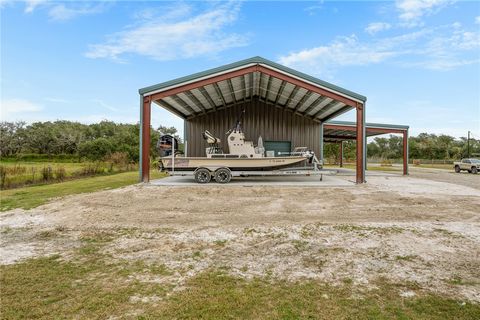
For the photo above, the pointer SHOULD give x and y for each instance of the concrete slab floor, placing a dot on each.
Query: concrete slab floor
(298, 181)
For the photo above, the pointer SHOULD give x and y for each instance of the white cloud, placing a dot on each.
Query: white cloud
(61, 12)
(477, 20)
(441, 48)
(166, 38)
(375, 27)
(344, 51)
(411, 11)
(313, 9)
(14, 109)
(30, 5)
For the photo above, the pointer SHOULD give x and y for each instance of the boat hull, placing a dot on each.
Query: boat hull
(251, 164)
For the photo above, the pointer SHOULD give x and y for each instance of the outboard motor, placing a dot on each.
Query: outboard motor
(164, 145)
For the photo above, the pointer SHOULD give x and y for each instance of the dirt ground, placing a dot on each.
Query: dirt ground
(423, 229)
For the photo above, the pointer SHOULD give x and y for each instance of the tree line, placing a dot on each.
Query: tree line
(73, 139)
(98, 140)
(422, 146)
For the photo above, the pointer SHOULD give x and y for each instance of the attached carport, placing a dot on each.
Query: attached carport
(281, 102)
(339, 131)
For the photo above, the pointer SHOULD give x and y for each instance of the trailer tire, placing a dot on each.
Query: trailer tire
(457, 169)
(223, 175)
(202, 175)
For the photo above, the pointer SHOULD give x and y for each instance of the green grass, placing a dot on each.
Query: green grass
(22, 173)
(87, 287)
(33, 196)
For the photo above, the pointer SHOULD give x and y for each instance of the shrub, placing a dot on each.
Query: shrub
(96, 149)
(33, 171)
(90, 169)
(3, 176)
(118, 159)
(47, 173)
(60, 173)
(16, 170)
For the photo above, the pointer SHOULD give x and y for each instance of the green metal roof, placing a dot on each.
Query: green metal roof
(254, 60)
(370, 125)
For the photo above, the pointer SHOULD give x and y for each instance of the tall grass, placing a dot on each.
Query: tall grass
(18, 174)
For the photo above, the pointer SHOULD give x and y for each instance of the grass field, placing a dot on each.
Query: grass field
(20, 173)
(90, 286)
(33, 196)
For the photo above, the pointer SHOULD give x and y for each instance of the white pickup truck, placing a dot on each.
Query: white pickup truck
(471, 165)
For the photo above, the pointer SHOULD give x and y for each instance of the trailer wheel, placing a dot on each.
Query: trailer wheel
(457, 169)
(223, 175)
(203, 175)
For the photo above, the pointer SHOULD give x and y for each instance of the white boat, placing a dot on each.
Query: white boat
(243, 156)
(227, 161)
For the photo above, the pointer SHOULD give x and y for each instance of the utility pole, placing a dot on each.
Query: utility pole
(468, 145)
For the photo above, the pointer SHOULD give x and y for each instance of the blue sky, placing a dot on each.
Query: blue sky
(417, 61)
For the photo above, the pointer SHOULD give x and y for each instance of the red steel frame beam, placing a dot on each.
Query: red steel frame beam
(404, 133)
(255, 68)
(360, 178)
(307, 86)
(340, 153)
(369, 130)
(204, 82)
(146, 115)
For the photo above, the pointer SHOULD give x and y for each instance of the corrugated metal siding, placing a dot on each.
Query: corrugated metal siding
(272, 123)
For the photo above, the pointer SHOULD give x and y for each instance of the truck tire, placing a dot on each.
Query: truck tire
(457, 169)
(223, 175)
(474, 170)
(202, 175)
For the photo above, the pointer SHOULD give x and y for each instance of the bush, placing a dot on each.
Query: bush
(47, 173)
(118, 159)
(3, 176)
(96, 149)
(91, 169)
(60, 173)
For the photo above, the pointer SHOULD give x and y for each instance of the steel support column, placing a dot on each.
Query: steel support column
(321, 143)
(360, 170)
(405, 152)
(145, 139)
(185, 141)
(140, 138)
(364, 141)
(340, 153)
